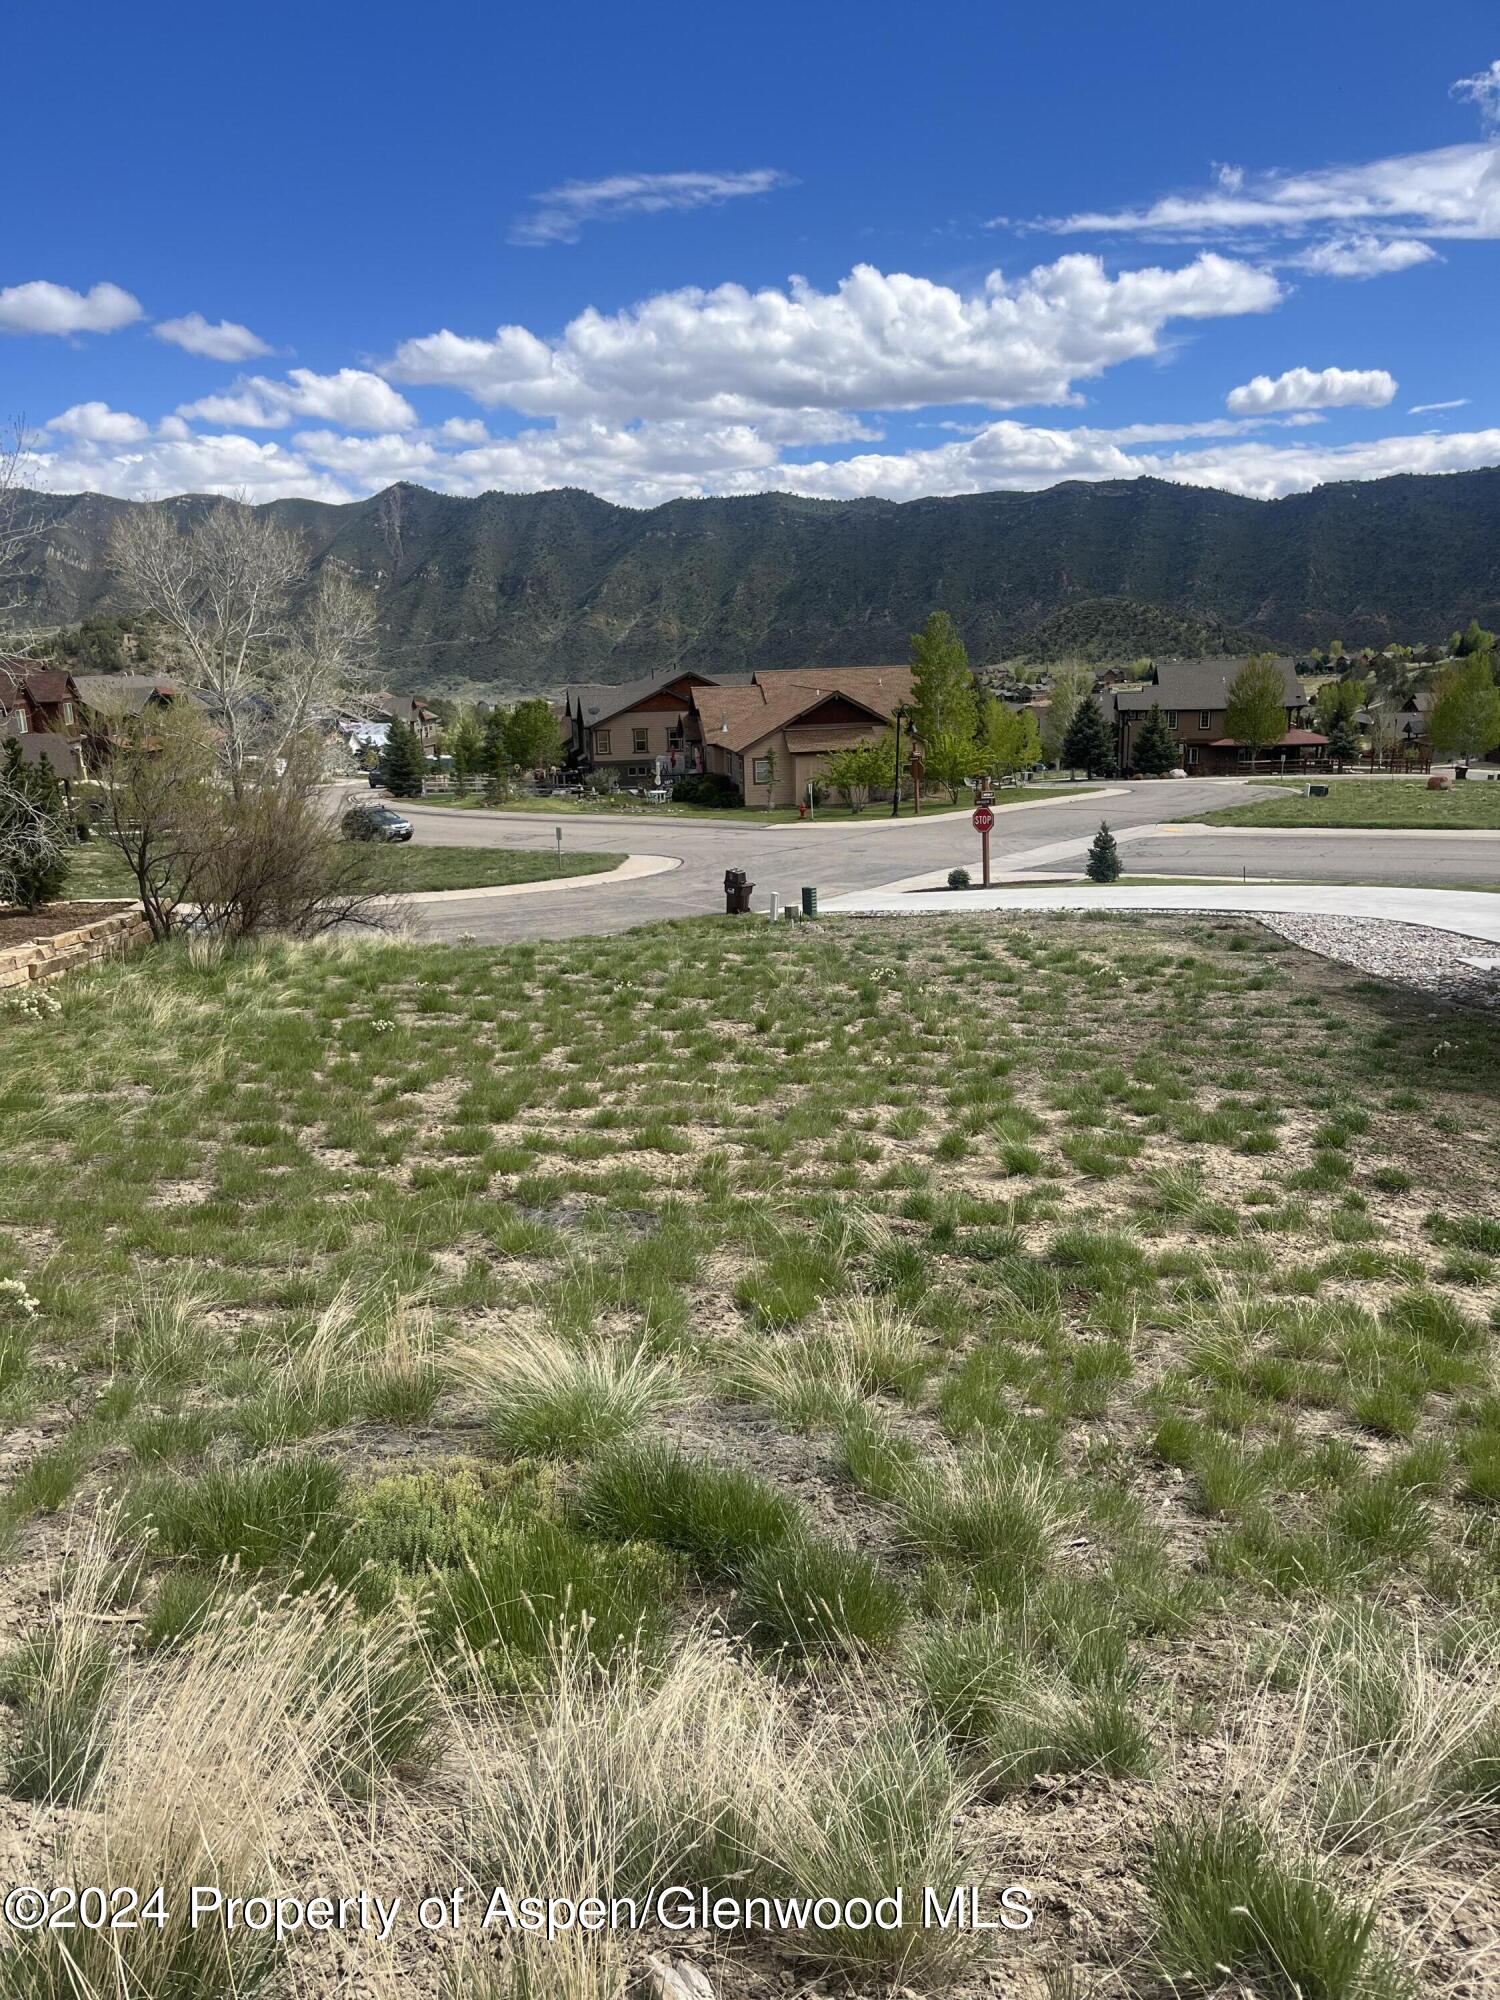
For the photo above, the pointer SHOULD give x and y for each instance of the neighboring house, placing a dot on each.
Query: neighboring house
(772, 736)
(106, 701)
(41, 706)
(409, 708)
(1193, 695)
(641, 730)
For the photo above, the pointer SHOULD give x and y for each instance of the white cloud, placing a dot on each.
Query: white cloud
(353, 397)
(225, 464)
(561, 212)
(1313, 389)
(1363, 256)
(42, 307)
(1482, 90)
(100, 424)
(881, 342)
(225, 340)
(1421, 409)
(1449, 191)
(465, 430)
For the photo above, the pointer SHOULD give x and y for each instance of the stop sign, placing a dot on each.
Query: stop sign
(984, 819)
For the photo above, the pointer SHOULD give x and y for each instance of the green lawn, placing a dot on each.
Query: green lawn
(98, 870)
(794, 1409)
(1470, 806)
(779, 816)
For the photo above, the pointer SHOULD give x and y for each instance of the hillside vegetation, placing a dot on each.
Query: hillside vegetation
(515, 592)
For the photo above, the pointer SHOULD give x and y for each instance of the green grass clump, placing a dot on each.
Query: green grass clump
(510, 1604)
(719, 1517)
(818, 1597)
(1229, 1904)
(556, 1400)
(274, 1515)
(59, 1685)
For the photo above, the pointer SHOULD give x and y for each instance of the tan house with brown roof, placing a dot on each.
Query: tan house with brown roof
(637, 729)
(772, 737)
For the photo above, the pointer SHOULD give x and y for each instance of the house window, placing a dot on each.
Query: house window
(1205, 717)
(1190, 754)
(1171, 718)
(640, 741)
(760, 771)
(601, 742)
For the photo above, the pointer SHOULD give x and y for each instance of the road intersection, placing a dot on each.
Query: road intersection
(846, 859)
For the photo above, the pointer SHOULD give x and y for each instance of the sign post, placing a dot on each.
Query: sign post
(984, 819)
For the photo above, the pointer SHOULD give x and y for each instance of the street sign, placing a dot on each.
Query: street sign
(984, 819)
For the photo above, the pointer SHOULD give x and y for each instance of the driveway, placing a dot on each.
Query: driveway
(844, 857)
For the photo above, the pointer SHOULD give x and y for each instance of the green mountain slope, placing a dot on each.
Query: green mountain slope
(526, 591)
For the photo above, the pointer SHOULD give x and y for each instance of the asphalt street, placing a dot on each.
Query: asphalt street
(844, 856)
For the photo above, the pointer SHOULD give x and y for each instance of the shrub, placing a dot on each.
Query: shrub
(34, 833)
(958, 878)
(710, 788)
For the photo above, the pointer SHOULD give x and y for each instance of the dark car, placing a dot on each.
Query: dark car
(364, 822)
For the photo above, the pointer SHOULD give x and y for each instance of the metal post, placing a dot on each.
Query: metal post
(774, 912)
(984, 851)
(557, 830)
(896, 788)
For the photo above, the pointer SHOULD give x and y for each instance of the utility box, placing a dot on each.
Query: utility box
(1317, 791)
(809, 901)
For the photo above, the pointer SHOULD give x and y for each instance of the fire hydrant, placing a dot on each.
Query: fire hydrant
(736, 893)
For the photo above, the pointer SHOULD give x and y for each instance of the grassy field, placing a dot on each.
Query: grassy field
(779, 816)
(1372, 802)
(99, 870)
(792, 1411)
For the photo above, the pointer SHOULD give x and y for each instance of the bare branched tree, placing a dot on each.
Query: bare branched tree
(21, 527)
(270, 653)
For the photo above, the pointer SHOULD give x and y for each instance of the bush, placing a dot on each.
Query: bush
(33, 832)
(709, 788)
(958, 878)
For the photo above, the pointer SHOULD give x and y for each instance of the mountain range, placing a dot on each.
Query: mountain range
(519, 593)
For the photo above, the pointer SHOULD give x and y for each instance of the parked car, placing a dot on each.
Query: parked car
(369, 822)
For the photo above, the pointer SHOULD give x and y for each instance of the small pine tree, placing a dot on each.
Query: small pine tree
(34, 833)
(404, 764)
(1087, 746)
(1103, 864)
(1343, 744)
(1156, 750)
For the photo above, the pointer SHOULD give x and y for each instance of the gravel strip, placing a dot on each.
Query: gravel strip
(1407, 954)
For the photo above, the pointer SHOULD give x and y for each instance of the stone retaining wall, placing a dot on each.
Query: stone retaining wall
(50, 957)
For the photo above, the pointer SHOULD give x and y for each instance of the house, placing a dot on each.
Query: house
(106, 701)
(408, 708)
(1193, 695)
(773, 735)
(41, 706)
(639, 730)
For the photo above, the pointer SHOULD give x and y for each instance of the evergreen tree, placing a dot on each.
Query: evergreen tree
(1156, 750)
(1343, 743)
(1103, 864)
(404, 764)
(34, 831)
(1087, 746)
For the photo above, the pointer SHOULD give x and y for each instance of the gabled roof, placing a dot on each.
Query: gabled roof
(123, 694)
(736, 717)
(1201, 683)
(597, 702)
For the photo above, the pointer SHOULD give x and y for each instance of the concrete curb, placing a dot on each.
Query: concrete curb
(1188, 828)
(631, 869)
(877, 823)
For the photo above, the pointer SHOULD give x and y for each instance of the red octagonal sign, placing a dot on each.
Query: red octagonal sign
(984, 819)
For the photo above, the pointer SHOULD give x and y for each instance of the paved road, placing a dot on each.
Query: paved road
(843, 857)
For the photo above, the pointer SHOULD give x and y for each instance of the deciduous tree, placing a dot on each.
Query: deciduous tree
(1256, 714)
(1465, 718)
(532, 738)
(944, 700)
(1071, 683)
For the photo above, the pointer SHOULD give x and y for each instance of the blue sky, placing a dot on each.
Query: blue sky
(834, 249)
